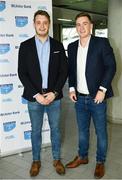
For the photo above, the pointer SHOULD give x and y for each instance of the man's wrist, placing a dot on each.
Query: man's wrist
(71, 89)
(102, 90)
(55, 93)
(35, 95)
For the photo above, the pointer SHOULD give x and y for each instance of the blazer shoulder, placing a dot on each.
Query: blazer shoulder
(99, 39)
(55, 42)
(73, 44)
(28, 41)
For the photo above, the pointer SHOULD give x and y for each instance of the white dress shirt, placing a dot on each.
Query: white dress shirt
(81, 68)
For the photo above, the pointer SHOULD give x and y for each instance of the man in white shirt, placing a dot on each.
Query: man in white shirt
(91, 69)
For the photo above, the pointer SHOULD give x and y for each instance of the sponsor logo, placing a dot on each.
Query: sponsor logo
(27, 135)
(27, 6)
(9, 126)
(6, 100)
(6, 88)
(16, 6)
(10, 113)
(10, 137)
(4, 48)
(21, 21)
(23, 35)
(2, 5)
(25, 122)
(4, 61)
(8, 75)
(24, 101)
(20, 6)
(7, 35)
(42, 8)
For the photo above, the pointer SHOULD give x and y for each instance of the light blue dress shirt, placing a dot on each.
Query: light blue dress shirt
(43, 50)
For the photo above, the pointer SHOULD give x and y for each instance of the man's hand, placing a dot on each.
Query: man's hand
(49, 97)
(99, 97)
(72, 96)
(41, 99)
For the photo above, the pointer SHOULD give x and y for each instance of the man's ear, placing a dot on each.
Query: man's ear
(91, 27)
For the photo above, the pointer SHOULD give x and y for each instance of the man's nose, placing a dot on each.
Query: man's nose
(42, 25)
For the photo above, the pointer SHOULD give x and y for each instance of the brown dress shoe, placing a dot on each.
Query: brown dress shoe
(99, 171)
(35, 168)
(59, 167)
(76, 162)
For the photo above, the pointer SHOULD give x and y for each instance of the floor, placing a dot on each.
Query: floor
(17, 166)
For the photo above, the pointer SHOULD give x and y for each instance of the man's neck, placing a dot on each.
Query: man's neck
(83, 41)
(42, 38)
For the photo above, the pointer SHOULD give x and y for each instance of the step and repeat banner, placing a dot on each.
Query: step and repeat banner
(16, 25)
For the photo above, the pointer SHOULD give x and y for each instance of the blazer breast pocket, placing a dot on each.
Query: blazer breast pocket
(56, 54)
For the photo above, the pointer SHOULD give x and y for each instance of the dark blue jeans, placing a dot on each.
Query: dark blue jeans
(36, 112)
(85, 109)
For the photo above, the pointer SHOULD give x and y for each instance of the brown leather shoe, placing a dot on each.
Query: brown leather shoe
(76, 162)
(35, 168)
(99, 171)
(59, 167)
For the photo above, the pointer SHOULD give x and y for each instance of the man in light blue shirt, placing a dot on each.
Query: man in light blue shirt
(42, 69)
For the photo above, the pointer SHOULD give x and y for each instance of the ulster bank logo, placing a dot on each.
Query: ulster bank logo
(24, 101)
(27, 135)
(6, 88)
(9, 126)
(4, 48)
(2, 5)
(21, 21)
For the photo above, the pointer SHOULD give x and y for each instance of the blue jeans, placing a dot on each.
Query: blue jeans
(36, 112)
(85, 109)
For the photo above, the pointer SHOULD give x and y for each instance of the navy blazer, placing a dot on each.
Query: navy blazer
(29, 69)
(100, 65)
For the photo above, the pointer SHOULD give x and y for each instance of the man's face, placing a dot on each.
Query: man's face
(41, 25)
(83, 26)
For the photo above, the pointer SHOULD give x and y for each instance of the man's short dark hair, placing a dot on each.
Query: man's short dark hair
(82, 14)
(43, 13)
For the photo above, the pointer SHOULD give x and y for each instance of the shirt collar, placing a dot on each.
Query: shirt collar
(47, 40)
(87, 44)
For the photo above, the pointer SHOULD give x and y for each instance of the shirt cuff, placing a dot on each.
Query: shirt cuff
(71, 89)
(102, 88)
(35, 95)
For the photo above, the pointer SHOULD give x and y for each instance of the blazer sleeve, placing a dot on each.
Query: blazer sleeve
(22, 70)
(109, 64)
(71, 66)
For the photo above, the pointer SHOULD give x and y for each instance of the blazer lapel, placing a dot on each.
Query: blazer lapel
(33, 50)
(75, 50)
(51, 50)
(51, 54)
(90, 50)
